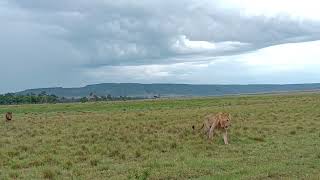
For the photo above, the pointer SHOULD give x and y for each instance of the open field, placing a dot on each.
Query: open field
(272, 136)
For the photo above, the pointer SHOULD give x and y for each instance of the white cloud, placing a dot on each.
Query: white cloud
(307, 9)
(183, 45)
(287, 63)
(284, 58)
(144, 73)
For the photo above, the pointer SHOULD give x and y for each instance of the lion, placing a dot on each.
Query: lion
(8, 116)
(220, 121)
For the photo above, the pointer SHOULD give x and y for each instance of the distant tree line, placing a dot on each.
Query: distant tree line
(93, 97)
(43, 97)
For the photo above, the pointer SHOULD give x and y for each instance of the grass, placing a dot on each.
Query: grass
(273, 136)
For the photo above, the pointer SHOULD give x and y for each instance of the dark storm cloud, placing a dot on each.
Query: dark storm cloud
(148, 32)
(52, 42)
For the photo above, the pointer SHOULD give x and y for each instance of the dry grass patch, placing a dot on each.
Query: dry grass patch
(271, 137)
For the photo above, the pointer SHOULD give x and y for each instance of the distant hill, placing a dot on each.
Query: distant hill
(169, 90)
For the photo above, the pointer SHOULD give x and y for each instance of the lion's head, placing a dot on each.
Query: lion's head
(224, 120)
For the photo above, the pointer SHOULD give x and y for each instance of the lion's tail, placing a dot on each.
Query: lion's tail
(193, 127)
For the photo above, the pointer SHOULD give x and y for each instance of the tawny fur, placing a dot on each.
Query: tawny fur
(220, 121)
(8, 116)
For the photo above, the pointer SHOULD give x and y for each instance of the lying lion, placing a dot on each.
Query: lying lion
(220, 121)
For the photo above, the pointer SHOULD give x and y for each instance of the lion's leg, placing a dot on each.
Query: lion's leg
(211, 132)
(225, 137)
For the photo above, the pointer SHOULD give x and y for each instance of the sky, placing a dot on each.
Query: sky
(72, 43)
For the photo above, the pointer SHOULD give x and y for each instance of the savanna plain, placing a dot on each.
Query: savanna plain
(272, 137)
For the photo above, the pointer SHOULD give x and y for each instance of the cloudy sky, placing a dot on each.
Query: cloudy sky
(73, 43)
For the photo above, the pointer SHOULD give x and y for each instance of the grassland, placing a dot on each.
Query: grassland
(273, 136)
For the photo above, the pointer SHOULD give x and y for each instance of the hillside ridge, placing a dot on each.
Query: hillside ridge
(170, 90)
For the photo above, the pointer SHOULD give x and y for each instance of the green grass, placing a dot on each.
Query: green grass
(273, 136)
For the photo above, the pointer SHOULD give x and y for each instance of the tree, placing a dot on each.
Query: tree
(109, 97)
(43, 93)
(103, 98)
(84, 99)
(53, 98)
(95, 97)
